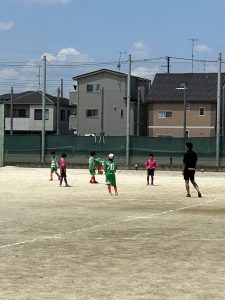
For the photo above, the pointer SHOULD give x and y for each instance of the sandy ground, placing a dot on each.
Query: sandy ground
(149, 242)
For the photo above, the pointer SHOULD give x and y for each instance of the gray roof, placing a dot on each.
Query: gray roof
(32, 97)
(200, 87)
(107, 71)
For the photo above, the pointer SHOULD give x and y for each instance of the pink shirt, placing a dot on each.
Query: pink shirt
(151, 164)
(62, 164)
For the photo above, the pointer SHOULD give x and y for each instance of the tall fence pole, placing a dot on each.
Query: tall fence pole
(43, 112)
(57, 111)
(128, 113)
(11, 112)
(218, 111)
(138, 111)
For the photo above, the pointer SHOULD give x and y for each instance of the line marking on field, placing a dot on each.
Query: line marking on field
(59, 235)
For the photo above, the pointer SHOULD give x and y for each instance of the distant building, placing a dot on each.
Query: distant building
(27, 113)
(166, 105)
(101, 98)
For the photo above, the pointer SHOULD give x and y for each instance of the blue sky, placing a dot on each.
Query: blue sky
(97, 31)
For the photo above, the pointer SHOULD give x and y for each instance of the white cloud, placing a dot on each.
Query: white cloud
(139, 46)
(203, 48)
(67, 54)
(8, 73)
(47, 2)
(145, 71)
(140, 50)
(4, 26)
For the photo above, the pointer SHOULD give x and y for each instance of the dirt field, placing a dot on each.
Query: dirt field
(149, 242)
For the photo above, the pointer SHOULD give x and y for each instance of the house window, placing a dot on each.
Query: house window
(38, 114)
(62, 115)
(19, 113)
(165, 114)
(91, 112)
(201, 111)
(93, 88)
(121, 113)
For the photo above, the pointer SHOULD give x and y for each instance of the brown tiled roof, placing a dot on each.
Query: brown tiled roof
(200, 87)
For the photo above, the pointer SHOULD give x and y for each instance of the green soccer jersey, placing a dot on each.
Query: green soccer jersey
(99, 162)
(91, 162)
(110, 167)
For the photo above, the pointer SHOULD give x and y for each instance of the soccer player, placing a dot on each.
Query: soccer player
(189, 162)
(54, 166)
(62, 166)
(110, 177)
(151, 164)
(99, 162)
(92, 164)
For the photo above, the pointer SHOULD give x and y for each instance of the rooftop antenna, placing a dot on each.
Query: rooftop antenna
(193, 41)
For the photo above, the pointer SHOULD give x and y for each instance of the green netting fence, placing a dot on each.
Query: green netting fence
(168, 151)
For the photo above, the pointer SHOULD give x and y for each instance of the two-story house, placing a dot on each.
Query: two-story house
(27, 113)
(101, 99)
(167, 98)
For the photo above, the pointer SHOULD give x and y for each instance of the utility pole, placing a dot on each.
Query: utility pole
(102, 112)
(57, 111)
(61, 88)
(11, 112)
(218, 111)
(128, 113)
(193, 40)
(223, 112)
(43, 112)
(168, 64)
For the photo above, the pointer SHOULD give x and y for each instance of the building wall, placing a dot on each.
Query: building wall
(196, 125)
(114, 105)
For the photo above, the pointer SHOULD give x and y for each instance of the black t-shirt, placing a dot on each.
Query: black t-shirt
(190, 159)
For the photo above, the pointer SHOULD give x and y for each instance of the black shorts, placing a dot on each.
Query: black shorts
(150, 172)
(189, 174)
(63, 173)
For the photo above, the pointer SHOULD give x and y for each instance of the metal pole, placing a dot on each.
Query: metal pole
(43, 112)
(128, 112)
(102, 112)
(168, 64)
(218, 116)
(185, 111)
(11, 113)
(61, 88)
(223, 112)
(138, 111)
(57, 112)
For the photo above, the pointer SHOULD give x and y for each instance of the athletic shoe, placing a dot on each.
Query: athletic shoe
(95, 182)
(199, 195)
(116, 194)
(188, 195)
(67, 185)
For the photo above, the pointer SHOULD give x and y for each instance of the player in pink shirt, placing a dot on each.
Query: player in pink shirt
(62, 166)
(151, 164)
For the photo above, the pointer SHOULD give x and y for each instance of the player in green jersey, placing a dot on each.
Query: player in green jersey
(110, 177)
(54, 166)
(99, 163)
(91, 166)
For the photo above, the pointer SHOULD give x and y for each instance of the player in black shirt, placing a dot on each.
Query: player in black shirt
(189, 161)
